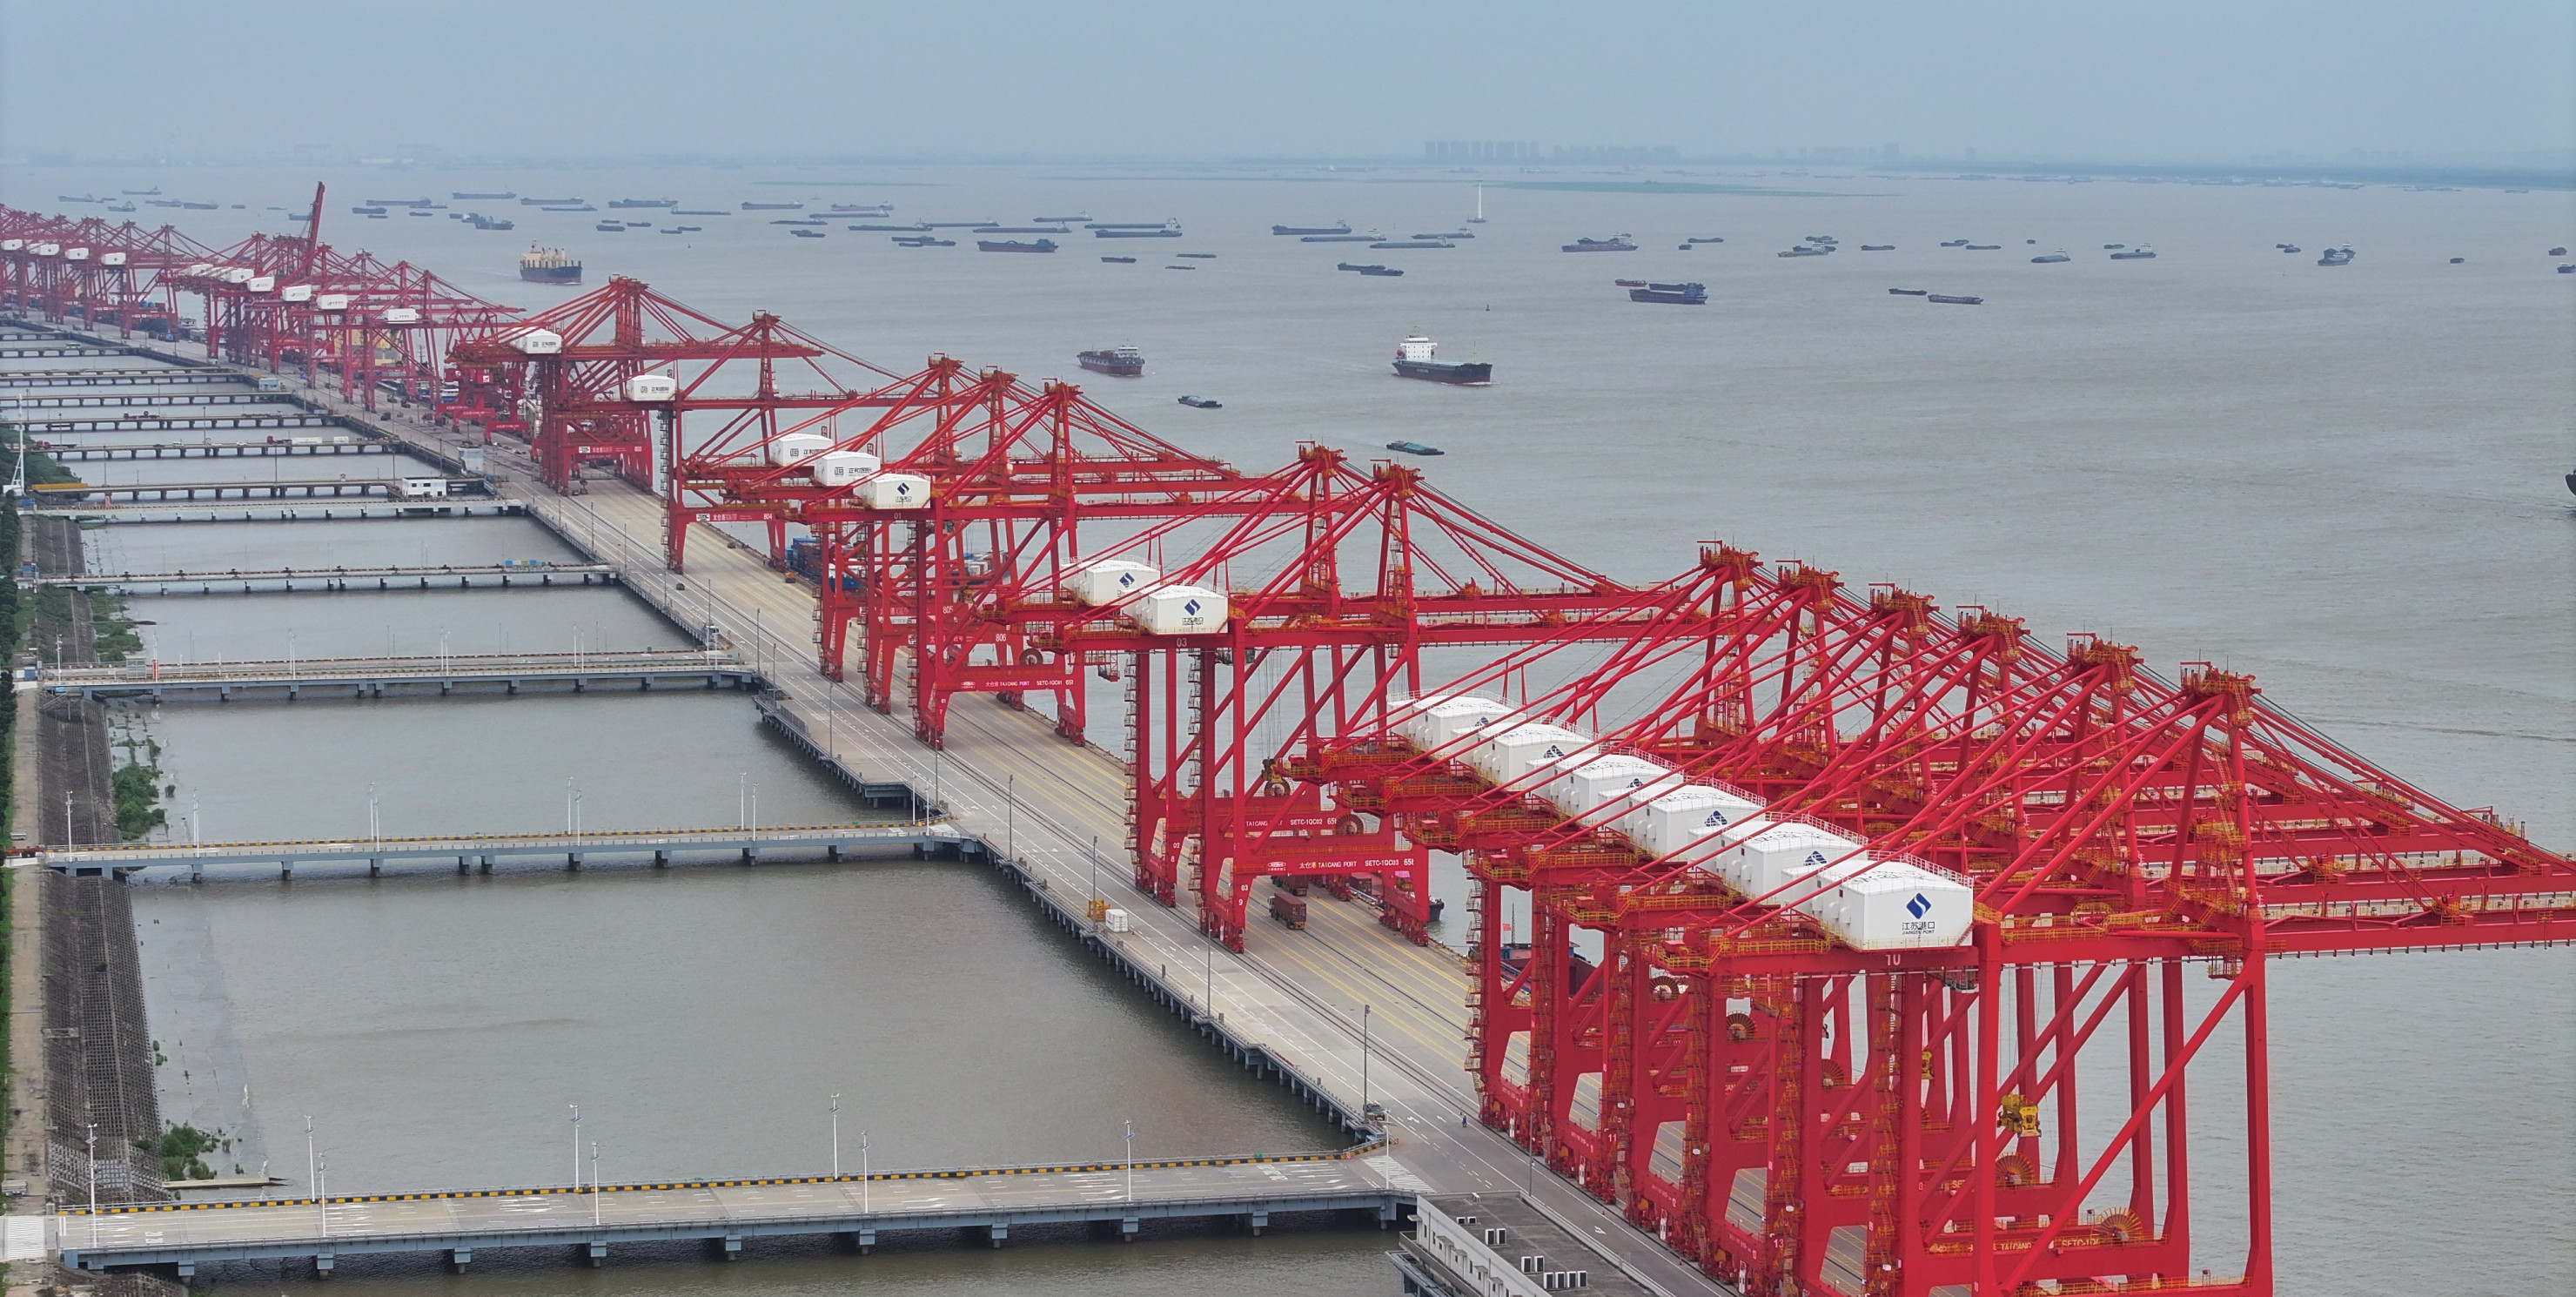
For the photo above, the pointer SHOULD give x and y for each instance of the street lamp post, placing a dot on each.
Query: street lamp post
(1130, 1138)
(93, 1184)
(313, 1171)
(594, 1184)
(576, 1145)
(836, 1137)
(1364, 1060)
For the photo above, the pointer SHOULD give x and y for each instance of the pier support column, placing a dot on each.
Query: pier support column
(1001, 1230)
(286, 871)
(464, 863)
(187, 1269)
(733, 1247)
(865, 1240)
(487, 864)
(661, 858)
(1257, 1221)
(598, 1255)
(1127, 1230)
(458, 1258)
(833, 853)
(322, 1262)
(572, 861)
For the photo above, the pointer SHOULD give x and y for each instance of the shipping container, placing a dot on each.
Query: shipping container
(1182, 610)
(1675, 820)
(1115, 919)
(1108, 580)
(1288, 908)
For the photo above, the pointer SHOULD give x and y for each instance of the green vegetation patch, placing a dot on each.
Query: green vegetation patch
(138, 800)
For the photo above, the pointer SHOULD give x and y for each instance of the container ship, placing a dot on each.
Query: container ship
(548, 266)
(1119, 362)
(1414, 359)
(1677, 294)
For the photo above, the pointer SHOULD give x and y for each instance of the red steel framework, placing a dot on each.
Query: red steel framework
(1791, 1111)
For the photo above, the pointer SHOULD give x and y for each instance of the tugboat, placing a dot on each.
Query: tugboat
(1012, 245)
(1413, 359)
(548, 266)
(1615, 243)
(2052, 258)
(2139, 253)
(1201, 403)
(1338, 227)
(1118, 362)
(1676, 294)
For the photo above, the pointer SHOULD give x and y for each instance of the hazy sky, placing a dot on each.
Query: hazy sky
(2211, 80)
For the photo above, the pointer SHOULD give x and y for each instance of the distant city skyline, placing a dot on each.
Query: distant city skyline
(2197, 81)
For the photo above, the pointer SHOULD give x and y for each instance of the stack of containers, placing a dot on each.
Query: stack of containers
(1898, 905)
(1508, 756)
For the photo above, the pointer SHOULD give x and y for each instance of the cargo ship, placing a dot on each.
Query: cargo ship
(1954, 300)
(1157, 232)
(1201, 403)
(1022, 229)
(773, 207)
(2144, 253)
(1076, 219)
(548, 266)
(2051, 259)
(643, 202)
(863, 209)
(1118, 362)
(1414, 448)
(1013, 245)
(915, 227)
(484, 197)
(1338, 227)
(548, 202)
(1127, 225)
(1340, 238)
(1388, 272)
(1677, 294)
(921, 241)
(1616, 243)
(1120, 261)
(1413, 243)
(1414, 359)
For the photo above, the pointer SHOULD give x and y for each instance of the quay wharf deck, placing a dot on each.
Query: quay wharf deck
(451, 576)
(125, 378)
(62, 453)
(374, 677)
(122, 422)
(743, 842)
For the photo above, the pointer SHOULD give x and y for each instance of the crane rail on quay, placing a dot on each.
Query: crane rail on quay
(1872, 881)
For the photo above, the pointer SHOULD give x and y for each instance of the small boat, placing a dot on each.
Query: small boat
(1804, 251)
(1012, 245)
(2458, 260)
(674, 230)
(692, 229)
(1118, 261)
(1627, 283)
(1954, 243)
(127, 207)
(2567, 268)
(1414, 448)
(1197, 256)
(1200, 403)
(1338, 227)
(1180, 267)
(610, 227)
(2052, 258)
(1955, 301)
(1672, 294)
(1984, 247)
(1703, 239)
(365, 210)
(1910, 292)
(2290, 247)
(806, 234)
(2336, 257)
(639, 225)
(1615, 243)
(2558, 252)
(1386, 271)
(1684, 247)
(2139, 253)
(1118, 362)
(1413, 243)
(1878, 247)
(2114, 247)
